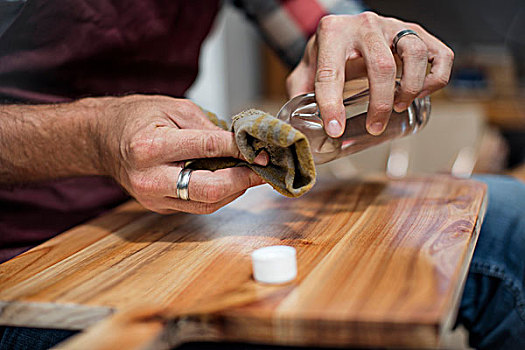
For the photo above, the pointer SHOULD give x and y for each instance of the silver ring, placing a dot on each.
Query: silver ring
(183, 183)
(401, 34)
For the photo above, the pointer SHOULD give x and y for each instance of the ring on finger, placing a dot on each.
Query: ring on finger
(401, 34)
(183, 183)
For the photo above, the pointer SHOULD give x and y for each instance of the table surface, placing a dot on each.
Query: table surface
(380, 263)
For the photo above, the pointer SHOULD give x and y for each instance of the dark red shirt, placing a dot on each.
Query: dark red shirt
(57, 51)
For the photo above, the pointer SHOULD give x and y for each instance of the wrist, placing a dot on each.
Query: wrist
(99, 131)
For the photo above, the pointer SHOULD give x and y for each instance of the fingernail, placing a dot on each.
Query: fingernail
(261, 159)
(423, 94)
(376, 128)
(333, 128)
(400, 107)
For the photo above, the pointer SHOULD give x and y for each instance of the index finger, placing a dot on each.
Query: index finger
(381, 70)
(330, 77)
(167, 144)
(170, 145)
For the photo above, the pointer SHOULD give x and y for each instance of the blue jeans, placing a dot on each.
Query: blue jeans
(493, 303)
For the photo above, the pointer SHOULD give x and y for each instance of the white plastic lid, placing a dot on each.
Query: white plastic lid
(274, 264)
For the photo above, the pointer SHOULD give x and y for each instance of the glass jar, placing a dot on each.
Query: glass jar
(302, 113)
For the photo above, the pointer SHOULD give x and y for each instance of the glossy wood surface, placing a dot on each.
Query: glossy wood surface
(381, 263)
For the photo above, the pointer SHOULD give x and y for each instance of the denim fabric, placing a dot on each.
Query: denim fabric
(493, 303)
(17, 338)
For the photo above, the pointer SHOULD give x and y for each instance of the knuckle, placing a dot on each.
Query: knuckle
(385, 65)
(186, 106)
(448, 54)
(332, 107)
(212, 144)
(415, 27)
(189, 104)
(410, 90)
(140, 150)
(368, 17)
(383, 107)
(328, 23)
(326, 74)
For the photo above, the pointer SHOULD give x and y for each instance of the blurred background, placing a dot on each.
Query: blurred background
(477, 123)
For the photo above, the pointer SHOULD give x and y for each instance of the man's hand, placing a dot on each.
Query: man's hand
(150, 137)
(140, 141)
(347, 47)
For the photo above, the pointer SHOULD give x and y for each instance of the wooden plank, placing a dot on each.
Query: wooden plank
(54, 250)
(381, 263)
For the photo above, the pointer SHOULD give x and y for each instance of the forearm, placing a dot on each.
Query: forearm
(41, 142)
(141, 141)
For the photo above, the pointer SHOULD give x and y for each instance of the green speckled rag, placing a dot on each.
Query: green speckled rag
(291, 169)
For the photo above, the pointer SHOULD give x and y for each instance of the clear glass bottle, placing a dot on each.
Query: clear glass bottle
(302, 113)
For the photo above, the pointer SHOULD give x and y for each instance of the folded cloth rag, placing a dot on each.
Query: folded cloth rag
(290, 170)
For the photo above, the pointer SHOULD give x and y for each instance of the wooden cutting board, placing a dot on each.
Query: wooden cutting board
(380, 263)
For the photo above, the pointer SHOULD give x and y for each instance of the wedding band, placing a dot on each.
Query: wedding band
(401, 34)
(183, 183)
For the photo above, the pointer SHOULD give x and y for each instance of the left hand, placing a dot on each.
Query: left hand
(145, 141)
(349, 46)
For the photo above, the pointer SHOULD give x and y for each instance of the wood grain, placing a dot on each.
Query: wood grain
(381, 263)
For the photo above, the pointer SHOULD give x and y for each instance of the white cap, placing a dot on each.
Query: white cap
(274, 264)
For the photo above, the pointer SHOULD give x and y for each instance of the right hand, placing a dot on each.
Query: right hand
(351, 46)
(145, 142)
